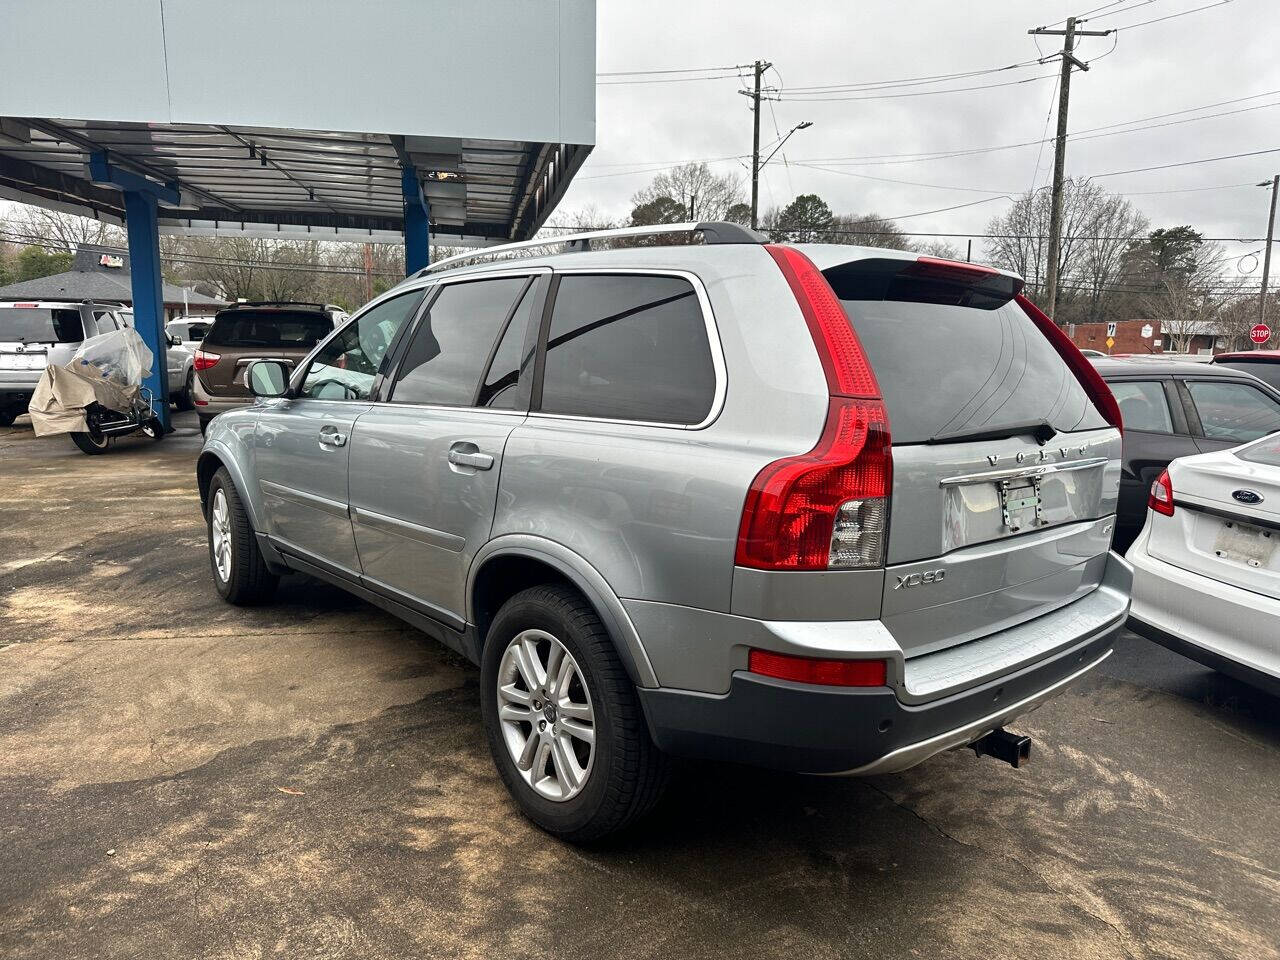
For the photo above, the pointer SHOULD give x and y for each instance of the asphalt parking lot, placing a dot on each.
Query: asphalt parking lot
(182, 778)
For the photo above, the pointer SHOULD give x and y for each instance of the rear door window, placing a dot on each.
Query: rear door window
(269, 328)
(628, 347)
(449, 348)
(953, 358)
(1143, 405)
(1233, 411)
(40, 325)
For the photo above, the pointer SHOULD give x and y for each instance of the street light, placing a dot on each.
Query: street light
(802, 125)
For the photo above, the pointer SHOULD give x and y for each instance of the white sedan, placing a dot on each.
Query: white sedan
(1206, 579)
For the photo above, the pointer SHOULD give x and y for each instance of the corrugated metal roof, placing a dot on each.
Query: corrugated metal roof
(272, 181)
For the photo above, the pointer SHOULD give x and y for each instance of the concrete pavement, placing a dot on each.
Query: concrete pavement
(182, 778)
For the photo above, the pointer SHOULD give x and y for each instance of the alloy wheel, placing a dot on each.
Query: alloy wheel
(220, 534)
(546, 717)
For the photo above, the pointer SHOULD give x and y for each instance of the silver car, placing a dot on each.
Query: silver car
(820, 508)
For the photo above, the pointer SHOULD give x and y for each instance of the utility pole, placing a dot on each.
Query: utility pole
(1060, 146)
(755, 94)
(1266, 256)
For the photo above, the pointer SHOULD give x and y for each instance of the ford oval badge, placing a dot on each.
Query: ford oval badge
(1247, 496)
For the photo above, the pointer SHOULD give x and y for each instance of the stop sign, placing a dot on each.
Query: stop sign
(1260, 333)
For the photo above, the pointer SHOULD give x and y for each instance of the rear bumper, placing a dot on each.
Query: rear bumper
(209, 405)
(814, 729)
(1224, 627)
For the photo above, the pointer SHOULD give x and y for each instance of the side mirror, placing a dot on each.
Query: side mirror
(268, 378)
(175, 340)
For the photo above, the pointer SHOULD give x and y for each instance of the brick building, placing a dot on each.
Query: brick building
(1131, 336)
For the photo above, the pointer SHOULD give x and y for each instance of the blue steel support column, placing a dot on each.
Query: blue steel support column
(417, 219)
(140, 198)
(148, 298)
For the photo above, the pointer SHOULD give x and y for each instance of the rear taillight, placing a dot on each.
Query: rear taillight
(1161, 498)
(1089, 378)
(843, 359)
(204, 360)
(835, 673)
(827, 509)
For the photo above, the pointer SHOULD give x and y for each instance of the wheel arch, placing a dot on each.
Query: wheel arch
(211, 458)
(505, 566)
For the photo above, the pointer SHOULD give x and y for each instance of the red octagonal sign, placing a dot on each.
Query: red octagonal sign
(1260, 333)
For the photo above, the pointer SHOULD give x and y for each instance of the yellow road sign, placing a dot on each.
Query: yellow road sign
(1111, 342)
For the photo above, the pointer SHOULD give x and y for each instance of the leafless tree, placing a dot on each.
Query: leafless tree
(65, 231)
(702, 193)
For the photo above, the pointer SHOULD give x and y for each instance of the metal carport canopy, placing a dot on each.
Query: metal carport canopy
(299, 118)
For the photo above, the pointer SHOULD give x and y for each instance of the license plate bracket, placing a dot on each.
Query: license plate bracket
(1017, 496)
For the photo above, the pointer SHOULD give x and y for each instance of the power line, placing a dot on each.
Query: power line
(1185, 163)
(920, 93)
(1171, 16)
(636, 73)
(909, 81)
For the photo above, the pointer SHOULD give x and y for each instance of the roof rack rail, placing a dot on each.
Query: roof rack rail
(713, 231)
(282, 303)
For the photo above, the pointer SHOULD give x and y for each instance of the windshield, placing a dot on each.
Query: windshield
(40, 325)
(952, 358)
(268, 328)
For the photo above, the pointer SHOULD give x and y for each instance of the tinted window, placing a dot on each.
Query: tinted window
(345, 369)
(505, 371)
(196, 331)
(31, 325)
(450, 346)
(268, 328)
(1234, 411)
(1143, 406)
(954, 357)
(628, 348)
(1266, 371)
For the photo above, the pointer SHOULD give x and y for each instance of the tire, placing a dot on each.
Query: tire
(186, 399)
(245, 581)
(91, 443)
(621, 774)
(7, 417)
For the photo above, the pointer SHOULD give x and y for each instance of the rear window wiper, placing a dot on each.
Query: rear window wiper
(1042, 430)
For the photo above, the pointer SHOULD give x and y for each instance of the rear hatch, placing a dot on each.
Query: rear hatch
(1226, 518)
(240, 336)
(32, 337)
(1005, 474)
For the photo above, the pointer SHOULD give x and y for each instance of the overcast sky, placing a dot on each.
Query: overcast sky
(1226, 52)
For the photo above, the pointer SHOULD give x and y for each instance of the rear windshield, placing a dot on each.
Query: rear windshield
(268, 328)
(36, 325)
(1268, 371)
(954, 357)
(1266, 451)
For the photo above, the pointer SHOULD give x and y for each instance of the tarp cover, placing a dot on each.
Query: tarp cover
(62, 394)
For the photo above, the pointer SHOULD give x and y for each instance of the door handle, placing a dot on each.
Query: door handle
(330, 437)
(466, 455)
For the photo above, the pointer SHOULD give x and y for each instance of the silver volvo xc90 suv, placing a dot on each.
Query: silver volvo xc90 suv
(822, 508)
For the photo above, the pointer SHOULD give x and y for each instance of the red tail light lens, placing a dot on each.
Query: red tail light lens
(203, 360)
(846, 365)
(826, 509)
(834, 673)
(1091, 380)
(1161, 498)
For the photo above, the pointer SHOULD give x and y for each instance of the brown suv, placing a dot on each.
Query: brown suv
(281, 331)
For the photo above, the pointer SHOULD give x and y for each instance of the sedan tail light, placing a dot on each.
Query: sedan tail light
(204, 360)
(1161, 498)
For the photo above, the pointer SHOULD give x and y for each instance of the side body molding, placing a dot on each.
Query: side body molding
(587, 579)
